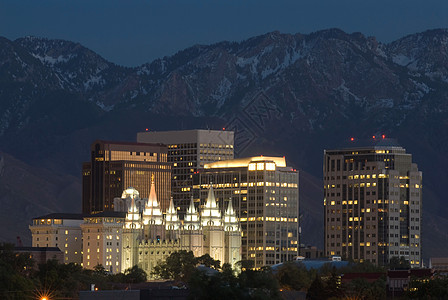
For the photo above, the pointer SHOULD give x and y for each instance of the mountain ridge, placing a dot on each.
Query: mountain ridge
(284, 94)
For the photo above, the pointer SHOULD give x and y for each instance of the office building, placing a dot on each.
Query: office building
(115, 166)
(373, 204)
(189, 150)
(265, 195)
(61, 231)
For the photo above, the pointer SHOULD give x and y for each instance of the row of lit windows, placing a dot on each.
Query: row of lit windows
(269, 219)
(47, 222)
(144, 166)
(262, 166)
(216, 152)
(271, 249)
(219, 146)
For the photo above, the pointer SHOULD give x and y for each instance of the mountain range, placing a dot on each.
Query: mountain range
(283, 94)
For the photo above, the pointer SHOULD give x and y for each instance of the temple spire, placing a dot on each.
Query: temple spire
(132, 215)
(191, 220)
(230, 219)
(211, 215)
(152, 214)
(171, 219)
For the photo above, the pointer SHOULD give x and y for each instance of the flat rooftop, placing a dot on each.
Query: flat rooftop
(244, 162)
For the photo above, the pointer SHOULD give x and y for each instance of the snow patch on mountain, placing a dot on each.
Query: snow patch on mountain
(51, 61)
(94, 80)
(221, 93)
(104, 107)
(346, 93)
(385, 103)
(289, 59)
(402, 60)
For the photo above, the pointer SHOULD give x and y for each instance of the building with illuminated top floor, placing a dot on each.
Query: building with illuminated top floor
(264, 193)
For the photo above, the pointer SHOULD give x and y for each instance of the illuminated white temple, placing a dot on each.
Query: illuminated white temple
(150, 236)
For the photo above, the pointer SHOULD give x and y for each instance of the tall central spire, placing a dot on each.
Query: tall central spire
(152, 214)
(210, 215)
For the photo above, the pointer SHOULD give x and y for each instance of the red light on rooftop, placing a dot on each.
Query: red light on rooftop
(147, 129)
(373, 137)
(352, 139)
(384, 136)
(223, 128)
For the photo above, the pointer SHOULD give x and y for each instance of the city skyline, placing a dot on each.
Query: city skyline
(267, 121)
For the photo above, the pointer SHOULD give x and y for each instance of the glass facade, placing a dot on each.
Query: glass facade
(116, 166)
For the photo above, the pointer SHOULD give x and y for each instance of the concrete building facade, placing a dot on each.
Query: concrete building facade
(59, 230)
(189, 150)
(102, 240)
(373, 204)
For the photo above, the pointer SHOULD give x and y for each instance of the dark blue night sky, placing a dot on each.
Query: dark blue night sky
(132, 32)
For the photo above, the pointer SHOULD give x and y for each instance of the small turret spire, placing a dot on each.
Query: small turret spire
(230, 219)
(191, 220)
(171, 219)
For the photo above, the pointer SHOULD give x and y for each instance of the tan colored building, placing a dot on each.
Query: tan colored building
(115, 166)
(373, 204)
(265, 195)
(189, 150)
(439, 264)
(102, 244)
(59, 230)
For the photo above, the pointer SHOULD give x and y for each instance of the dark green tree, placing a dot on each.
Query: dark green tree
(16, 272)
(135, 275)
(244, 265)
(401, 263)
(259, 284)
(428, 288)
(317, 290)
(208, 261)
(293, 276)
(223, 285)
(178, 266)
(333, 284)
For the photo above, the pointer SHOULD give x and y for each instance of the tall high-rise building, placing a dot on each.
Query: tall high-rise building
(115, 166)
(264, 193)
(189, 150)
(373, 204)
